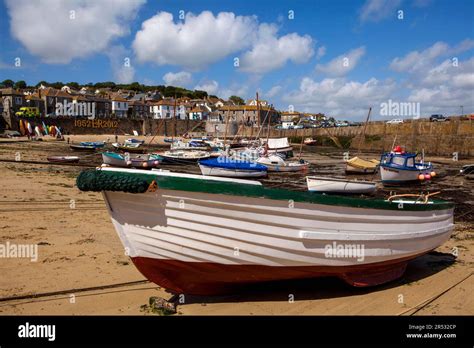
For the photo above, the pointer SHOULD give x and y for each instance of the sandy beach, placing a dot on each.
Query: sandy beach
(82, 262)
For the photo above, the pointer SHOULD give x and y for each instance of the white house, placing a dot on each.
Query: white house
(119, 106)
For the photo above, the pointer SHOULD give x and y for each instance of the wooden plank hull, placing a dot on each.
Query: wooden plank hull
(207, 243)
(231, 173)
(329, 185)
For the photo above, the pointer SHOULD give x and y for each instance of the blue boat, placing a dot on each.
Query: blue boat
(399, 167)
(231, 167)
(94, 144)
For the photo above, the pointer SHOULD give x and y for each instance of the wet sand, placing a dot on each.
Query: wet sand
(78, 249)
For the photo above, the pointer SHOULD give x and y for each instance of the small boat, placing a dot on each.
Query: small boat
(193, 145)
(134, 141)
(335, 185)
(358, 165)
(400, 167)
(168, 140)
(230, 233)
(277, 164)
(183, 157)
(63, 159)
(279, 146)
(96, 144)
(134, 148)
(229, 167)
(467, 169)
(310, 141)
(78, 147)
(131, 160)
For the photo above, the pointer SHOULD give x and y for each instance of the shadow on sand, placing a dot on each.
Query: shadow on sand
(328, 287)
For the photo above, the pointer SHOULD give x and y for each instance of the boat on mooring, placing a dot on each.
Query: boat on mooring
(63, 159)
(131, 147)
(79, 147)
(279, 146)
(230, 167)
(275, 163)
(356, 165)
(400, 167)
(200, 235)
(96, 144)
(183, 157)
(143, 161)
(322, 184)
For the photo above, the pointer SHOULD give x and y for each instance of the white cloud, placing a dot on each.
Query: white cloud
(339, 97)
(376, 10)
(121, 64)
(179, 79)
(271, 52)
(320, 52)
(342, 64)
(210, 87)
(273, 91)
(46, 27)
(198, 41)
(206, 38)
(234, 89)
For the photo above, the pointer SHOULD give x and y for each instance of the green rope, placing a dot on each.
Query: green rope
(96, 181)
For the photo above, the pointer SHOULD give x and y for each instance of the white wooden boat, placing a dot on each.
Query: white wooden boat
(183, 157)
(279, 146)
(229, 167)
(310, 141)
(277, 164)
(143, 161)
(357, 165)
(334, 185)
(193, 145)
(205, 235)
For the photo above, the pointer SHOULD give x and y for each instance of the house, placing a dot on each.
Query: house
(68, 89)
(163, 109)
(51, 97)
(119, 106)
(291, 116)
(199, 112)
(34, 100)
(103, 106)
(13, 100)
(246, 114)
(138, 109)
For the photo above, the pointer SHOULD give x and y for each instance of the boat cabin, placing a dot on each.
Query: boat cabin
(403, 160)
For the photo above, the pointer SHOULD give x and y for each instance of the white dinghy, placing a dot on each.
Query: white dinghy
(335, 185)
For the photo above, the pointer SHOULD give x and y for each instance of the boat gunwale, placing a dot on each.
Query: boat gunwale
(166, 180)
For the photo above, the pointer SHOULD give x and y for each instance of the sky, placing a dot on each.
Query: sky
(337, 57)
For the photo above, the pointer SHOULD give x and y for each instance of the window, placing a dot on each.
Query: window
(410, 162)
(400, 161)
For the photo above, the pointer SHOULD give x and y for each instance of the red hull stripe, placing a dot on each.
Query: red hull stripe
(205, 278)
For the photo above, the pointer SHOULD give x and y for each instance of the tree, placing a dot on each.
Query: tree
(20, 85)
(8, 83)
(237, 100)
(44, 83)
(74, 85)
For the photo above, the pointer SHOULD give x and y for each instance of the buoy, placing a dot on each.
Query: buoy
(433, 174)
(156, 163)
(145, 164)
(129, 163)
(427, 176)
(421, 177)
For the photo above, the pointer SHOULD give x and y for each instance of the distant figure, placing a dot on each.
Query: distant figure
(116, 138)
(68, 138)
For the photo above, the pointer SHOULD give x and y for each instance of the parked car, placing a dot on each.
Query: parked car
(342, 124)
(438, 118)
(395, 121)
(298, 126)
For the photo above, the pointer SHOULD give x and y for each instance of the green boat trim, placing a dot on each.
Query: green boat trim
(132, 182)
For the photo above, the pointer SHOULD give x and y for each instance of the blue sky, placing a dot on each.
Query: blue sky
(337, 57)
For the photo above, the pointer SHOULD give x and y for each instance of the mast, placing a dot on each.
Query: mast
(363, 132)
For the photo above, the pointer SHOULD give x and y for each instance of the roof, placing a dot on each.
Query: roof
(10, 91)
(33, 97)
(243, 108)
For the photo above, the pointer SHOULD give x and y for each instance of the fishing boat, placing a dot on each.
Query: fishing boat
(134, 148)
(134, 141)
(193, 145)
(144, 161)
(96, 144)
(400, 167)
(323, 184)
(183, 157)
(168, 140)
(279, 146)
(358, 165)
(63, 159)
(79, 147)
(277, 164)
(310, 141)
(204, 235)
(230, 167)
